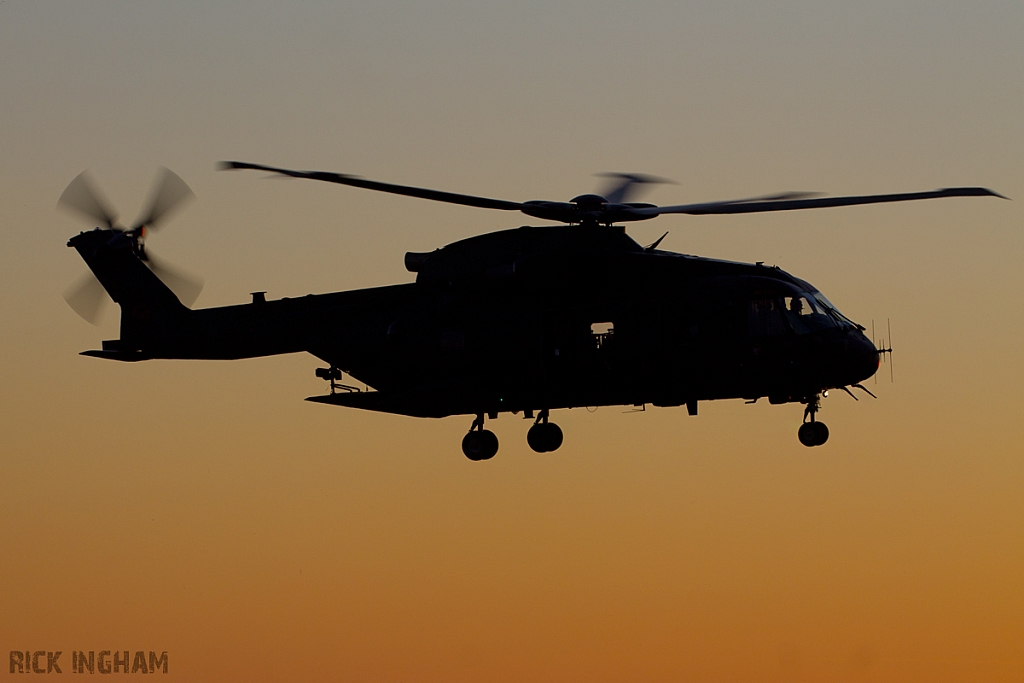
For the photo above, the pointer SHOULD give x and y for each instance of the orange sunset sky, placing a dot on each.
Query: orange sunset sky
(206, 510)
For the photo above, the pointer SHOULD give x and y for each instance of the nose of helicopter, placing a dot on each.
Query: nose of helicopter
(862, 358)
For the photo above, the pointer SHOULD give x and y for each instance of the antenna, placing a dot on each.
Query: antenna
(888, 327)
(874, 340)
(883, 349)
(654, 246)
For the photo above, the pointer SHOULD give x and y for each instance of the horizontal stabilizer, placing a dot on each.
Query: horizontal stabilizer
(126, 356)
(407, 403)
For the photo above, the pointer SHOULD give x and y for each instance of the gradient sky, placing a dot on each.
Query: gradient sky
(204, 509)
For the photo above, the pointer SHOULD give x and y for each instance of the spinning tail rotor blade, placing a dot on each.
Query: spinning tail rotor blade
(168, 193)
(185, 287)
(87, 298)
(81, 196)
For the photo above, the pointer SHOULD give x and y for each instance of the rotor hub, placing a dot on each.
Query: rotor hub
(589, 202)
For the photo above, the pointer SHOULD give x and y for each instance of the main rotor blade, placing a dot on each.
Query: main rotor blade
(81, 196)
(355, 181)
(777, 197)
(623, 187)
(87, 298)
(784, 204)
(185, 287)
(168, 193)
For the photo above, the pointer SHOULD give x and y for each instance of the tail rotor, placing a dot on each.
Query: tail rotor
(88, 298)
(80, 196)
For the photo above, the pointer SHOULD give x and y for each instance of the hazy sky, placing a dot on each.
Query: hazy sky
(205, 509)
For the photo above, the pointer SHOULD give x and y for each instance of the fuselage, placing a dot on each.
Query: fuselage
(537, 318)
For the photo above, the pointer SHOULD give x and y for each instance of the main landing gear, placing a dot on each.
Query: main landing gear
(544, 436)
(479, 443)
(482, 444)
(811, 432)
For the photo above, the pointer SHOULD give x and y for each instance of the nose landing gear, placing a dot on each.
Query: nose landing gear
(544, 436)
(479, 443)
(811, 432)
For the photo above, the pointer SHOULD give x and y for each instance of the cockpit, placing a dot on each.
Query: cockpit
(794, 312)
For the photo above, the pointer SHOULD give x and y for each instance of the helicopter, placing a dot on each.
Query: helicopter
(524, 320)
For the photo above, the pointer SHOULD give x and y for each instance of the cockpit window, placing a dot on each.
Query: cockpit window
(833, 311)
(805, 314)
(798, 313)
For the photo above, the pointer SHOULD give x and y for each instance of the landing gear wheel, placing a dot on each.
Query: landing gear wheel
(553, 436)
(805, 434)
(820, 433)
(480, 445)
(535, 438)
(813, 433)
(544, 437)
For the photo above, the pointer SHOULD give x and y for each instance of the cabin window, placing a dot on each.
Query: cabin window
(764, 319)
(453, 340)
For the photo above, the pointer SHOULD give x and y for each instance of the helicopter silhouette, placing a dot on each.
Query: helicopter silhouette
(525, 320)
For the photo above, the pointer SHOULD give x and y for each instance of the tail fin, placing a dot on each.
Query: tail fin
(148, 306)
